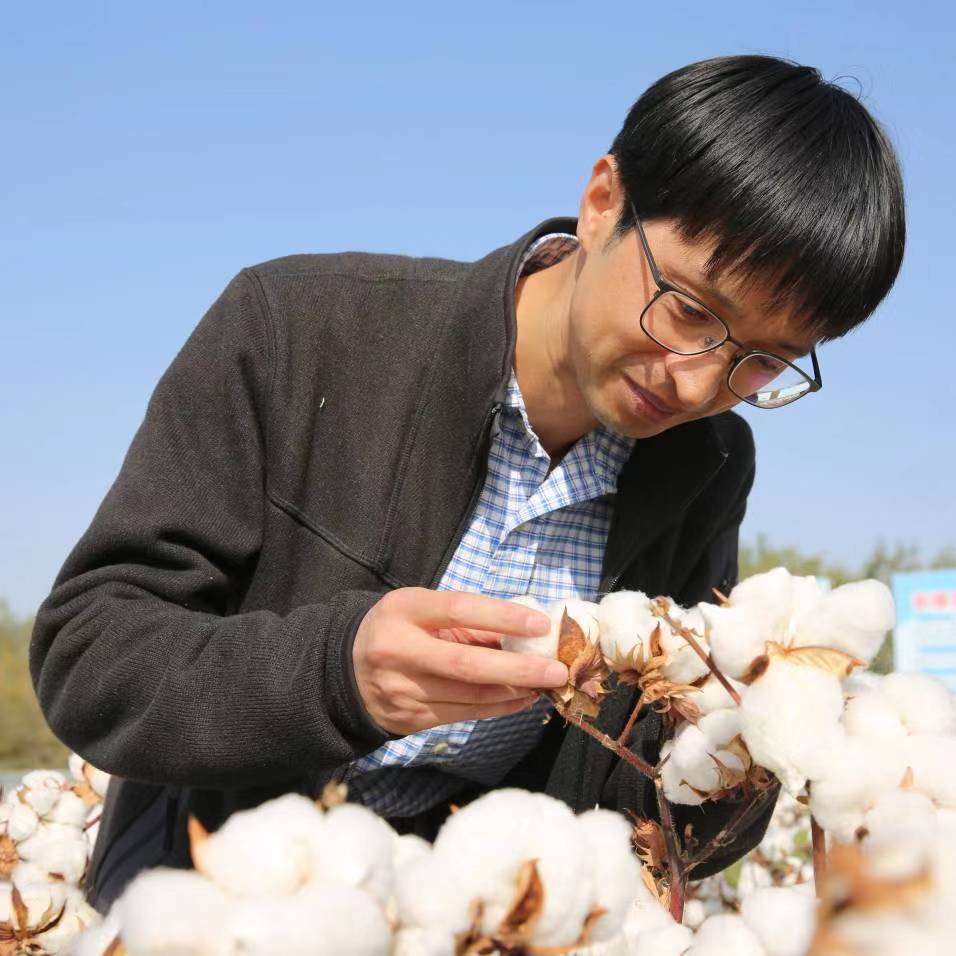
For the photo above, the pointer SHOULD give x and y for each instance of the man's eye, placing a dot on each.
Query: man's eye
(688, 312)
(770, 364)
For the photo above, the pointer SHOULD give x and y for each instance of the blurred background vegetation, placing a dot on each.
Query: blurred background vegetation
(26, 741)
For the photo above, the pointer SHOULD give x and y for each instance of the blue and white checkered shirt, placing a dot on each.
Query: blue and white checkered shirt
(531, 533)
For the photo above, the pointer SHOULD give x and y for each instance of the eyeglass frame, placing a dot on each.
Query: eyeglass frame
(663, 287)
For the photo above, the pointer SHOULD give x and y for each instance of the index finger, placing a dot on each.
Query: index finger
(448, 609)
(474, 664)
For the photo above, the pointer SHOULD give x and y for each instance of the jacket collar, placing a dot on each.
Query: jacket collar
(465, 380)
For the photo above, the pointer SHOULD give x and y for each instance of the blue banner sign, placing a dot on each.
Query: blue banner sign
(925, 636)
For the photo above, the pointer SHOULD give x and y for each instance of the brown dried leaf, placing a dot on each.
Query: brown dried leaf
(198, 836)
(333, 795)
(758, 667)
(907, 782)
(21, 915)
(526, 907)
(659, 891)
(828, 659)
(116, 948)
(729, 777)
(9, 857)
(86, 793)
(571, 641)
(739, 749)
(647, 838)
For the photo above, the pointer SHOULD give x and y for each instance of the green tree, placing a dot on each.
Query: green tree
(25, 739)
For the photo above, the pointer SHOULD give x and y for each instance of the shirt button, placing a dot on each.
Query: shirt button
(440, 748)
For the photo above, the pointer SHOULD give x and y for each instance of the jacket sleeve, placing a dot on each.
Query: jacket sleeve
(139, 658)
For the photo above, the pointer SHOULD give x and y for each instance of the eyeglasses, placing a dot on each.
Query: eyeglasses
(681, 323)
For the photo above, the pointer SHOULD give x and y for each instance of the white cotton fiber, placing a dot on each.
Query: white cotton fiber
(544, 645)
(720, 726)
(901, 830)
(266, 850)
(932, 758)
(872, 714)
(323, 919)
(685, 665)
(783, 919)
(713, 695)
(489, 840)
(737, 637)
(355, 848)
(626, 623)
(854, 618)
(856, 773)
(58, 849)
(22, 822)
(790, 718)
(429, 896)
(672, 776)
(723, 935)
(171, 913)
(615, 870)
(923, 703)
(672, 940)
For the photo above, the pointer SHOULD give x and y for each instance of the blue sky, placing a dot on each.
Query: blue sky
(151, 151)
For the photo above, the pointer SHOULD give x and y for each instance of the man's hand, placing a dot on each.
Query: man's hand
(424, 658)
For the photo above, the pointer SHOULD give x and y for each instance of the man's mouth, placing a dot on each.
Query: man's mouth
(649, 406)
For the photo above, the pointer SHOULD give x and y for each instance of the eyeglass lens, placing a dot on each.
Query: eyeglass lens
(682, 325)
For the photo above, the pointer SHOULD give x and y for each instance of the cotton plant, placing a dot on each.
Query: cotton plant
(40, 917)
(518, 872)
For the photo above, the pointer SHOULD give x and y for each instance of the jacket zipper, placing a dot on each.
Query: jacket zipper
(487, 426)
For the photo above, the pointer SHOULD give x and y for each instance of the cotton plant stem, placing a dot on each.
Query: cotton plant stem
(660, 609)
(741, 818)
(819, 840)
(609, 742)
(629, 726)
(678, 875)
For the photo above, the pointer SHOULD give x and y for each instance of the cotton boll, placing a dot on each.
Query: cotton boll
(413, 941)
(901, 831)
(43, 779)
(488, 841)
(544, 645)
(77, 916)
(713, 695)
(753, 876)
(58, 849)
(98, 936)
(790, 717)
(923, 703)
(355, 848)
(266, 850)
(672, 778)
(853, 618)
(408, 847)
(69, 810)
(932, 758)
(172, 913)
(672, 940)
(42, 799)
(737, 636)
(24, 873)
(645, 915)
(694, 755)
(626, 623)
(37, 898)
(872, 714)
(430, 897)
(725, 934)
(615, 870)
(720, 726)
(784, 920)
(324, 919)
(857, 772)
(586, 614)
(99, 780)
(684, 665)
(22, 823)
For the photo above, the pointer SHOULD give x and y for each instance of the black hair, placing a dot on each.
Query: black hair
(792, 178)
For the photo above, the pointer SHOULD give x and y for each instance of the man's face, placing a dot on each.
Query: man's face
(629, 382)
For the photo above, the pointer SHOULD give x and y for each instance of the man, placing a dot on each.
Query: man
(299, 572)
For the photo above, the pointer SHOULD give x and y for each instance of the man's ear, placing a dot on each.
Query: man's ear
(600, 205)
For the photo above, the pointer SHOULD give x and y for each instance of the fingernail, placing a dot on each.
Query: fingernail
(555, 673)
(538, 623)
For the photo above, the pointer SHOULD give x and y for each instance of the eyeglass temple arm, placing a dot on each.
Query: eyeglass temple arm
(639, 229)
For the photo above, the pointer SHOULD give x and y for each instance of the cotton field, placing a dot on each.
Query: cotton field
(763, 692)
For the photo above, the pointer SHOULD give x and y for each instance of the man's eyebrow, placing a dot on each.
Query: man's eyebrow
(706, 290)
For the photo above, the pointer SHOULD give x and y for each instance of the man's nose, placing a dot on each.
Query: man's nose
(697, 378)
